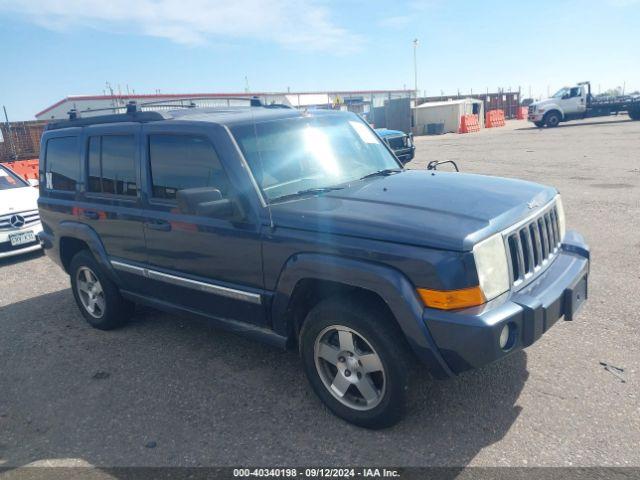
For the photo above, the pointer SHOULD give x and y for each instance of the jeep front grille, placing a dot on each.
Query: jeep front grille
(30, 217)
(532, 245)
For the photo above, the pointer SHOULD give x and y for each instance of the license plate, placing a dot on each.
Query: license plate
(22, 238)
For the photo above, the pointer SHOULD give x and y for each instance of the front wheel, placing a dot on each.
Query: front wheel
(539, 124)
(552, 119)
(356, 361)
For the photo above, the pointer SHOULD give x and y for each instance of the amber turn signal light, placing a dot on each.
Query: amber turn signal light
(452, 299)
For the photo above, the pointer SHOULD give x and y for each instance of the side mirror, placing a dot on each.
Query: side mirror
(206, 202)
(33, 182)
(566, 96)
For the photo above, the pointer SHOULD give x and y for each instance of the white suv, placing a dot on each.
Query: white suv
(19, 218)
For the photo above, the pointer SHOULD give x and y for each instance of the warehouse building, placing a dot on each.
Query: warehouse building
(358, 101)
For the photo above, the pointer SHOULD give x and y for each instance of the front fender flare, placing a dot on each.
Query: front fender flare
(388, 283)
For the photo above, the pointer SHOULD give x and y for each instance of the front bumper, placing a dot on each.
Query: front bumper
(6, 250)
(535, 117)
(468, 338)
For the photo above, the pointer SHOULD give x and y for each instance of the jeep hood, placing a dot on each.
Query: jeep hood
(451, 211)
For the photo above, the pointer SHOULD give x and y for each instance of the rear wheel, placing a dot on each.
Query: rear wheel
(634, 114)
(97, 297)
(356, 361)
(552, 119)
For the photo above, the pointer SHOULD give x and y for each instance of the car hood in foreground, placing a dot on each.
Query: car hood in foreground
(450, 211)
(18, 200)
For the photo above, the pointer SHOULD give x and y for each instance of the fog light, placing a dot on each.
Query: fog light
(505, 335)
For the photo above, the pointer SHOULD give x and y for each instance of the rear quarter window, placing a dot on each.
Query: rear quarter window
(62, 163)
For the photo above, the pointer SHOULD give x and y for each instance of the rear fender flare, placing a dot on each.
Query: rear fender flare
(88, 235)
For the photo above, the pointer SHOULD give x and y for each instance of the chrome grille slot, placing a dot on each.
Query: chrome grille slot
(532, 244)
(30, 217)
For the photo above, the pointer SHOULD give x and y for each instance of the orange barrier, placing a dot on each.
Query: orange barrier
(494, 118)
(522, 112)
(469, 124)
(27, 169)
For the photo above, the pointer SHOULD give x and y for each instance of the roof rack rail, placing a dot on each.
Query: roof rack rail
(133, 111)
(131, 114)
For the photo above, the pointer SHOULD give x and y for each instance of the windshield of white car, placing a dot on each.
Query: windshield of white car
(297, 155)
(9, 180)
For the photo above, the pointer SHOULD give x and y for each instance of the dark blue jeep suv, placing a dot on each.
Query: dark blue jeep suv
(303, 230)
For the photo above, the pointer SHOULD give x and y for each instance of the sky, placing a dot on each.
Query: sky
(50, 49)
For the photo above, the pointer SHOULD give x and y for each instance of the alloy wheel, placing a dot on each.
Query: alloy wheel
(90, 292)
(349, 367)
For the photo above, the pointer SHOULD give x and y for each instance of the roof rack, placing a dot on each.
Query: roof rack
(143, 112)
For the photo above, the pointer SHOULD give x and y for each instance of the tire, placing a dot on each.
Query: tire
(362, 354)
(539, 124)
(634, 114)
(552, 119)
(97, 297)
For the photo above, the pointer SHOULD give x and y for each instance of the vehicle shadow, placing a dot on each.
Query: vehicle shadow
(5, 262)
(168, 391)
(580, 124)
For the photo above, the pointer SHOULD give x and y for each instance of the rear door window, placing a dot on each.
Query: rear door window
(111, 165)
(179, 162)
(62, 163)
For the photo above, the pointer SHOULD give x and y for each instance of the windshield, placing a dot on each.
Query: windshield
(9, 180)
(561, 93)
(293, 155)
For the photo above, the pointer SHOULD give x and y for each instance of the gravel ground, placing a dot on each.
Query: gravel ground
(169, 391)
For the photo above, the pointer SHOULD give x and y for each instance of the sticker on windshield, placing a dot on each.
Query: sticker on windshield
(366, 135)
(3, 173)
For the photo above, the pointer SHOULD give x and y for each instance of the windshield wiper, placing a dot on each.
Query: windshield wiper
(307, 191)
(382, 173)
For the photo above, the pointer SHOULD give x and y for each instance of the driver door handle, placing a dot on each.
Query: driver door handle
(160, 226)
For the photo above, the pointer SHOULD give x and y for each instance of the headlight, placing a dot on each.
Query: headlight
(491, 263)
(561, 220)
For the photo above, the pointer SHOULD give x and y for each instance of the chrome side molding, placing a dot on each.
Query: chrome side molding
(188, 283)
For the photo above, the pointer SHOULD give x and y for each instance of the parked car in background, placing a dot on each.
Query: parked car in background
(19, 218)
(401, 143)
(303, 230)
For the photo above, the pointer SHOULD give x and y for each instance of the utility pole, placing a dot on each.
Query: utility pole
(415, 67)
